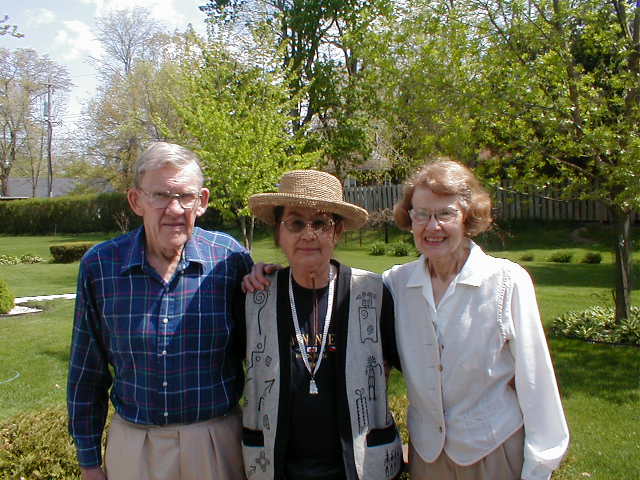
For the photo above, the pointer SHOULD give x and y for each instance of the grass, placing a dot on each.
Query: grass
(41, 278)
(36, 346)
(599, 383)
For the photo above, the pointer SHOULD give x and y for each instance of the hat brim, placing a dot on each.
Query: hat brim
(262, 207)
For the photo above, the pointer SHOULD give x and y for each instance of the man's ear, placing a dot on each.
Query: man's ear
(204, 201)
(133, 195)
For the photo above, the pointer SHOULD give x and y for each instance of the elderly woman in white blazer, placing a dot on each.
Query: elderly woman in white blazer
(483, 399)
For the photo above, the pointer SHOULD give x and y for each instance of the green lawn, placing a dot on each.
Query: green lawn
(599, 383)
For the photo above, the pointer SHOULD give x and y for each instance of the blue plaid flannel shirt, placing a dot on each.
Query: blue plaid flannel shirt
(167, 351)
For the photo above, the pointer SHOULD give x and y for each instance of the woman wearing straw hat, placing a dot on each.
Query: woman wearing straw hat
(316, 385)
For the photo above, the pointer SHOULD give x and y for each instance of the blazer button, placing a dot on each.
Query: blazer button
(440, 367)
(440, 428)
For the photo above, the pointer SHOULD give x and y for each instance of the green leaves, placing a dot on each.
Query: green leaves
(237, 117)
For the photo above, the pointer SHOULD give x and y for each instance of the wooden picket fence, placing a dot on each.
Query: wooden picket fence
(509, 204)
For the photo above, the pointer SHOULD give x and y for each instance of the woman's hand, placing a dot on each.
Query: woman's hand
(256, 279)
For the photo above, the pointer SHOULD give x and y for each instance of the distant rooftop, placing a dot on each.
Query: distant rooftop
(20, 187)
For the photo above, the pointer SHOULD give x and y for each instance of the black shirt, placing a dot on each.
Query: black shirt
(314, 441)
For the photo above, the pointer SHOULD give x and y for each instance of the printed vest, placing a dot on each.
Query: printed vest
(377, 447)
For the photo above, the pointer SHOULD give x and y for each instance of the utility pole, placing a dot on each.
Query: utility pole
(49, 135)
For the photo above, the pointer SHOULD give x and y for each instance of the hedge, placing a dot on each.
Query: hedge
(69, 252)
(72, 214)
(104, 212)
(7, 299)
(36, 445)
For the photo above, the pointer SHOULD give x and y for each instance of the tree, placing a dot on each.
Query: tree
(24, 78)
(314, 48)
(6, 29)
(423, 72)
(549, 89)
(136, 71)
(563, 104)
(236, 118)
(126, 36)
(31, 162)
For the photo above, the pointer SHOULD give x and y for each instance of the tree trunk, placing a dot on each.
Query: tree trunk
(622, 247)
(247, 230)
(252, 223)
(242, 220)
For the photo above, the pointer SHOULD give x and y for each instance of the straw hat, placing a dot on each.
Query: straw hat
(310, 189)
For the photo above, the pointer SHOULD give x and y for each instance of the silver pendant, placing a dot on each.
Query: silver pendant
(313, 388)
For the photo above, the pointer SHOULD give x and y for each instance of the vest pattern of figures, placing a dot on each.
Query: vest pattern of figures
(364, 375)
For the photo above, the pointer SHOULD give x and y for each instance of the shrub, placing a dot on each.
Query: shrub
(69, 252)
(26, 258)
(9, 260)
(377, 249)
(37, 445)
(561, 257)
(29, 258)
(7, 299)
(527, 257)
(399, 249)
(597, 324)
(591, 257)
(71, 214)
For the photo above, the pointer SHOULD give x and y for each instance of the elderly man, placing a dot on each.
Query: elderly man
(154, 330)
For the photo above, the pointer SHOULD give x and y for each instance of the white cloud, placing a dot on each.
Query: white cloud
(75, 40)
(39, 16)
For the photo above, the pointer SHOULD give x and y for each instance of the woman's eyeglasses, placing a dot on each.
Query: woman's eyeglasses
(318, 225)
(422, 217)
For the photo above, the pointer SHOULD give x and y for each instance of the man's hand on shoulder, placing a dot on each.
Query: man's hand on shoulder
(95, 473)
(256, 279)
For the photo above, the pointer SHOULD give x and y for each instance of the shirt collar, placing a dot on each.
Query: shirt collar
(135, 256)
(472, 272)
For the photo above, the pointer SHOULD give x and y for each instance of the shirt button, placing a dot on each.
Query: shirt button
(164, 384)
(166, 414)
(164, 352)
(165, 320)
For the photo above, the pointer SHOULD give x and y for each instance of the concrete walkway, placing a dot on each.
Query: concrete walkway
(21, 309)
(40, 298)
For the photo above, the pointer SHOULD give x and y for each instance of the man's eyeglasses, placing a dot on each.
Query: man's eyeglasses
(422, 217)
(162, 199)
(318, 225)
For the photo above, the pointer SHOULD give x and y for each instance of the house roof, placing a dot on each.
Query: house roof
(21, 187)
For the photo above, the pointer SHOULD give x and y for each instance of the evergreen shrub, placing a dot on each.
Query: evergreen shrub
(36, 445)
(561, 257)
(72, 214)
(377, 249)
(69, 252)
(591, 257)
(7, 299)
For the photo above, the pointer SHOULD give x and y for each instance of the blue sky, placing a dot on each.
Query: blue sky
(63, 29)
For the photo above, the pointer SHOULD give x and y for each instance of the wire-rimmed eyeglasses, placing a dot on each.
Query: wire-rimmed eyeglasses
(186, 200)
(422, 217)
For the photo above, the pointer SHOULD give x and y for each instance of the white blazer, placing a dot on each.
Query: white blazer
(459, 357)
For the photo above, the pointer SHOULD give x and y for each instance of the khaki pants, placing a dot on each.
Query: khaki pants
(209, 450)
(504, 463)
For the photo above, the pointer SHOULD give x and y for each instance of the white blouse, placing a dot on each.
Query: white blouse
(459, 357)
